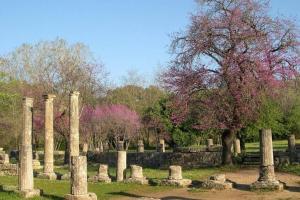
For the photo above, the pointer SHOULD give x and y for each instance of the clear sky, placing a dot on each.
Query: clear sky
(123, 34)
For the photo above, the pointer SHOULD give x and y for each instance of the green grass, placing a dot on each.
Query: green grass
(293, 169)
(278, 145)
(57, 189)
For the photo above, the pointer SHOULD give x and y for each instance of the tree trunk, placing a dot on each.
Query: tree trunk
(227, 141)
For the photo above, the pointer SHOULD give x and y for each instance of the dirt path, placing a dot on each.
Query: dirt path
(243, 178)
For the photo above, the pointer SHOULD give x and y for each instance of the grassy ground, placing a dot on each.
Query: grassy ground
(57, 189)
(278, 145)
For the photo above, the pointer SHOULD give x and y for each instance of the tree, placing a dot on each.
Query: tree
(231, 54)
(56, 67)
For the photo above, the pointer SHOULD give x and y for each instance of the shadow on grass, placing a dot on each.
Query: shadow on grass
(292, 188)
(140, 196)
(52, 197)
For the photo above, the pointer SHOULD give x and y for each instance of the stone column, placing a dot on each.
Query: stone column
(137, 175)
(49, 139)
(292, 147)
(120, 145)
(74, 124)
(79, 188)
(209, 142)
(26, 185)
(161, 145)
(237, 146)
(175, 172)
(140, 146)
(121, 165)
(85, 148)
(175, 177)
(267, 179)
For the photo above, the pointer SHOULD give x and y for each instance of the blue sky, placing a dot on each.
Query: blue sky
(123, 34)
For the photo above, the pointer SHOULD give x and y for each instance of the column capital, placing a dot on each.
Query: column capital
(28, 101)
(48, 96)
(74, 93)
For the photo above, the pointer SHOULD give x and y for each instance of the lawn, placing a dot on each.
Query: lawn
(57, 189)
(278, 145)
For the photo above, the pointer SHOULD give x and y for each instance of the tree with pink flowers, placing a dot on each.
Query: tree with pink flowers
(231, 55)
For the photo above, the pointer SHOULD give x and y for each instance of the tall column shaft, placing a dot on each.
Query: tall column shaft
(79, 175)
(49, 140)
(25, 160)
(121, 165)
(74, 124)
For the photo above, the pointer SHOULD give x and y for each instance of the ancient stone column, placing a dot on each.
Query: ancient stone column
(85, 148)
(140, 146)
(26, 185)
(237, 146)
(209, 142)
(137, 175)
(175, 172)
(267, 179)
(292, 147)
(79, 188)
(74, 124)
(161, 145)
(292, 142)
(120, 145)
(121, 165)
(49, 139)
(175, 177)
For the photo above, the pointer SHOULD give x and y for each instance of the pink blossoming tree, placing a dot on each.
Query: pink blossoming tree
(231, 54)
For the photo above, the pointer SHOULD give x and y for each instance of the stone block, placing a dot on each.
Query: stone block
(29, 193)
(50, 176)
(267, 185)
(88, 196)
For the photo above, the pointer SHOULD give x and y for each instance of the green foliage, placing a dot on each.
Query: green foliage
(270, 116)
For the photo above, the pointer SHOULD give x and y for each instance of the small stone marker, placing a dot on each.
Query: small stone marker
(79, 190)
(4, 159)
(102, 175)
(140, 146)
(175, 177)
(36, 164)
(217, 182)
(161, 146)
(137, 175)
(121, 165)
(292, 148)
(267, 179)
(85, 148)
(237, 146)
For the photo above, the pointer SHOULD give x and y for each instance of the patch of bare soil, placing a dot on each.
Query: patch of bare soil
(243, 178)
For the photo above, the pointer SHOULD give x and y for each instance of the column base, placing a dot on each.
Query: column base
(49, 176)
(176, 182)
(29, 193)
(267, 185)
(88, 196)
(142, 181)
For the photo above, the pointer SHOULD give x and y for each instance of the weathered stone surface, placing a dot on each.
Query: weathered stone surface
(102, 175)
(267, 179)
(140, 146)
(85, 148)
(121, 165)
(217, 182)
(175, 172)
(79, 189)
(175, 177)
(209, 142)
(49, 140)
(74, 124)
(26, 185)
(8, 169)
(237, 146)
(161, 146)
(89, 196)
(292, 148)
(137, 175)
(4, 159)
